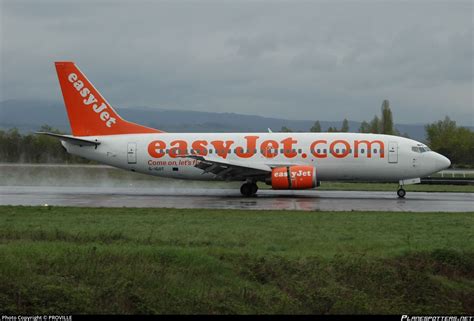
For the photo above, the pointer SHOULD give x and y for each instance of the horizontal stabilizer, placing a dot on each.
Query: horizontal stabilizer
(72, 139)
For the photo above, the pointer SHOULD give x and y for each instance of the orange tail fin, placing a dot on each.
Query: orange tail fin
(89, 113)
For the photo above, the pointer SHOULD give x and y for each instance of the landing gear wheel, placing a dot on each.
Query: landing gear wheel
(248, 189)
(401, 193)
(254, 188)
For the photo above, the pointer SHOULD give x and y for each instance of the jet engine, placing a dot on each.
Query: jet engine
(293, 177)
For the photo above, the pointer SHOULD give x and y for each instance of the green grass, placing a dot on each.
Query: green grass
(392, 187)
(56, 260)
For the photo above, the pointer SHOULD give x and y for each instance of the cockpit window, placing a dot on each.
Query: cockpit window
(419, 149)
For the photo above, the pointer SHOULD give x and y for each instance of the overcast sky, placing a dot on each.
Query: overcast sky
(297, 60)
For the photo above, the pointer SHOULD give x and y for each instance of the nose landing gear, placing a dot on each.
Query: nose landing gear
(249, 189)
(401, 192)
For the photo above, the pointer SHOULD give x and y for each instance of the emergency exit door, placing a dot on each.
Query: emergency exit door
(393, 152)
(132, 153)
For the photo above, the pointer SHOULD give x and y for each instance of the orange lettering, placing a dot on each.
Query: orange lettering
(180, 149)
(369, 147)
(199, 147)
(313, 149)
(251, 146)
(345, 151)
(156, 148)
(222, 149)
(288, 147)
(266, 148)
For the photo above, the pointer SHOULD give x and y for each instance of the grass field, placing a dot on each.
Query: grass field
(392, 187)
(94, 260)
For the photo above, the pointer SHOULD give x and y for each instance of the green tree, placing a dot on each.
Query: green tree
(364, 127)
(285, 129)
(316, 128)
(387, 119)
(33, 148)
(11, 146)
(456, 143)
(345, 126)
(332, 129)
(375, 125)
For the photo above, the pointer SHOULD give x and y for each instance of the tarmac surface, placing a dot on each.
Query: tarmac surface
(308, 200)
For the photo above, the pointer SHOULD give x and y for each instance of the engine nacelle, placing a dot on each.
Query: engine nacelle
(293, 177)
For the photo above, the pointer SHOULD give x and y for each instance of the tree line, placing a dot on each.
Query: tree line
(378, 125)
(33, 148)
(444, 136)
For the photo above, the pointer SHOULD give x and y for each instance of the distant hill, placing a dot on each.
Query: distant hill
(28, 115)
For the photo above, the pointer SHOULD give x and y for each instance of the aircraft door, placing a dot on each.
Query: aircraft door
(132, 153)
(393, 152)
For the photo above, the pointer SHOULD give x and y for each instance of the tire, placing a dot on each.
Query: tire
(401, 193)
(246, 190)
(253, 188)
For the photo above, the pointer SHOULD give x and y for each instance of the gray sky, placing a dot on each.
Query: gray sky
(287, 59)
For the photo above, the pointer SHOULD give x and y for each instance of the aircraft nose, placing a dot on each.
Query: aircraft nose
(441, 162)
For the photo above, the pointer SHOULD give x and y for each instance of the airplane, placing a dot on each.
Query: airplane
(285, 161)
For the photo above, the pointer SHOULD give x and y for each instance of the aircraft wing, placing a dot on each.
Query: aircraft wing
(230, 170)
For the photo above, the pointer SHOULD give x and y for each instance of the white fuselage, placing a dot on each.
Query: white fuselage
(335, 156)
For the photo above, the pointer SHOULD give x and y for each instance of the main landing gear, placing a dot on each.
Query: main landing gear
(401, 192)
(248, 189)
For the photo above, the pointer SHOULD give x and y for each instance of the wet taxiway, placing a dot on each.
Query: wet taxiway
(308, 200)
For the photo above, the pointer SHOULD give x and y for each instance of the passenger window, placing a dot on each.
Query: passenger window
(362, 151)
(375, 151)
(210, 151)
(337, 150)
(299, 151)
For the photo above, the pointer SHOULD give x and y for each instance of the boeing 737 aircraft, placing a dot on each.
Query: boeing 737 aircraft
(289, 161)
